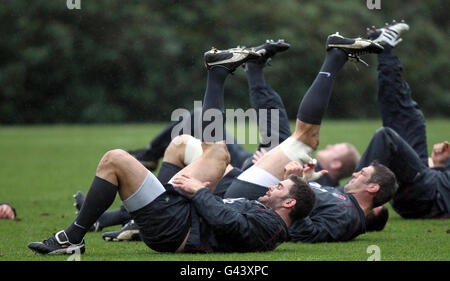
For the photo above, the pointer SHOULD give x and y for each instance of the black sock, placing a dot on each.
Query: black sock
(263, 97)
(214, 100)
(114, 217)
(255, 75)
(99, 198)
(387, 48)
(315, 102)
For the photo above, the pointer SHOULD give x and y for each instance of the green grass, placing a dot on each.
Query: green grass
(42, 166)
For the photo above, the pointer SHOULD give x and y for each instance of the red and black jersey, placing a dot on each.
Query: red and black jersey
(336, 216)
(233, 225)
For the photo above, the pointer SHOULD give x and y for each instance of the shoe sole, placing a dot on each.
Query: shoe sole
(69, 251)
(368, 47)
(274, 48)
(234, 59)
(238, 57)
(127, 235)
(66, 251)
(356, 45)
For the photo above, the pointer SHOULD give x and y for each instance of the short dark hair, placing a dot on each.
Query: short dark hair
(377, 222)
(387, 181)
(305, 197)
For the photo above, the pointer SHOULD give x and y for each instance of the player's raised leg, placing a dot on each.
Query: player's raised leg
(263, 97)
(212, 162)
(305, 139)
(398, 109)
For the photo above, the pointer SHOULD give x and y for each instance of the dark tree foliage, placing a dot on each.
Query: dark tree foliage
(137, 61)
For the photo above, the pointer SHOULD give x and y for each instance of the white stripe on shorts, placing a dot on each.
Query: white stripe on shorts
(149, 190)
(258, 176)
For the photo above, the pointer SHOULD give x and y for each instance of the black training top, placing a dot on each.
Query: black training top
(233, 225)
(336, 216)
(428, 196)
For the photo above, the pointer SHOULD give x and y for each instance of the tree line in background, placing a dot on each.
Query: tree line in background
(137, 61)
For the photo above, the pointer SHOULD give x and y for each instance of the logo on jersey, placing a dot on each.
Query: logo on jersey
(317, 186)
(339, 196)
(231, 200)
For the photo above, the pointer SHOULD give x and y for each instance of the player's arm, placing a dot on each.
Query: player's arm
(328, 226)
(440, 155)
(212, 208)
(308, 231)
(306, 171)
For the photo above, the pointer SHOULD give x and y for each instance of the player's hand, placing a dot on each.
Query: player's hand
(309, 173)
(188, 183)
(293, 168)
(6, 212)
(258, 155)
(440, 154)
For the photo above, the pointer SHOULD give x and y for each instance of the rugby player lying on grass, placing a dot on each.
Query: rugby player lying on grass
(338, 215)
(402, 137)
(138, 196)
(183, 215)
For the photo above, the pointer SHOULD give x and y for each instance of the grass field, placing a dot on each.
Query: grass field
(42, 166)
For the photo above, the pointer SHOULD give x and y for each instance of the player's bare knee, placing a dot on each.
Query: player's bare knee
(110, 159)
(175, 151)
(226, 154)
(218, 151)
(181, 140)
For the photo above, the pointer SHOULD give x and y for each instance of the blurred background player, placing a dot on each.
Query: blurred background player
(6, 211)
(424, 183)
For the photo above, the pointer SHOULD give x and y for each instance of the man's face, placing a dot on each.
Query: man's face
(276, 194)
(359, 180)
(333, 151)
